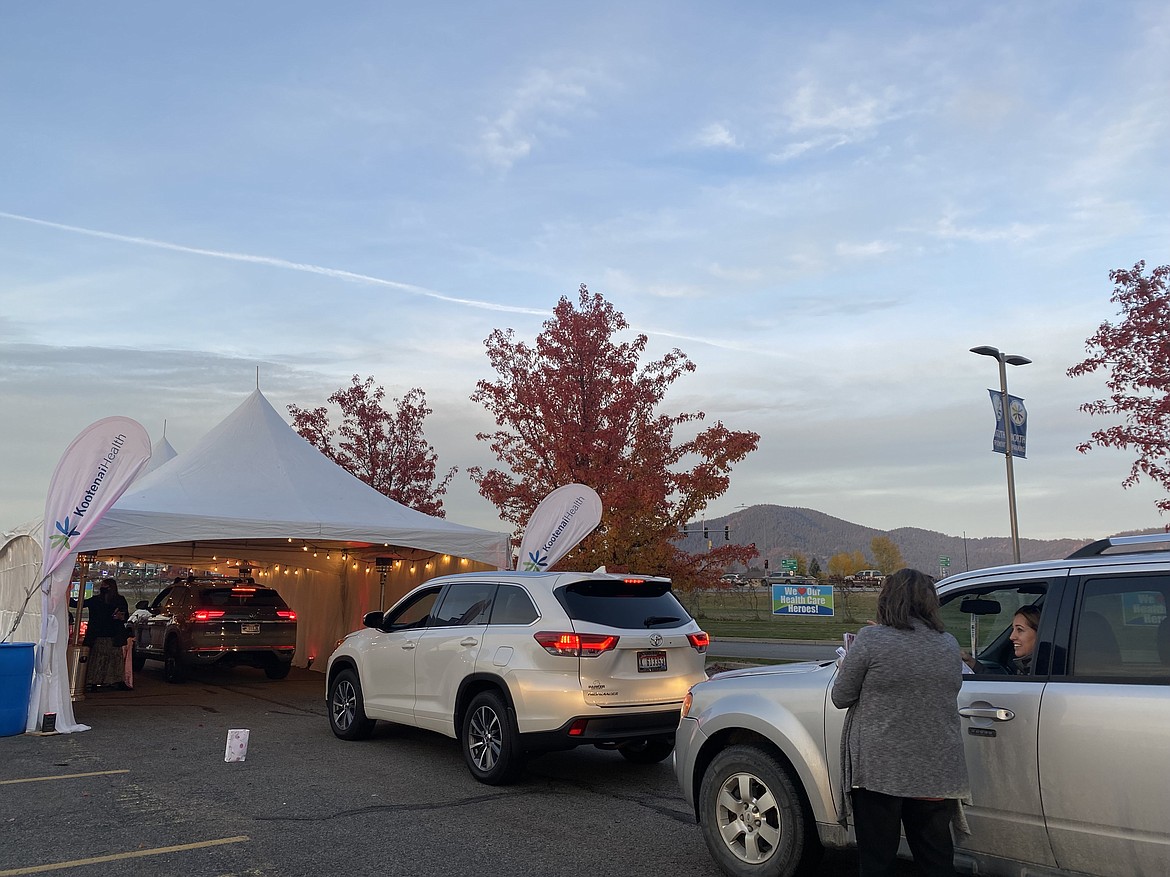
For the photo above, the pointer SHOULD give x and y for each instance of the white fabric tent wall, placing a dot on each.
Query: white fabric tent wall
(20, 571)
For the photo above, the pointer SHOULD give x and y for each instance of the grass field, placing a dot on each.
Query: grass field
(748, 613)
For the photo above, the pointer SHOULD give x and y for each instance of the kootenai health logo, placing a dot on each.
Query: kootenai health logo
(65, 532)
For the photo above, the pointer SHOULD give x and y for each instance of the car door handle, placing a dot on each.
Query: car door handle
(469, 641)
(408, 645)
(996, 714)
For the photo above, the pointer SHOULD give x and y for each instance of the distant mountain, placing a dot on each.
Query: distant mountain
(778, 531)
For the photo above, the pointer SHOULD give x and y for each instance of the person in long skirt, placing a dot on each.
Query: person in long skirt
(106, 635)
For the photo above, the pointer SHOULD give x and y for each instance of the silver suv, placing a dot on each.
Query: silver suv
(1069, 764)
(511, 663)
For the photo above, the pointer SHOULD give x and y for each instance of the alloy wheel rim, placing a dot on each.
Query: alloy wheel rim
(344, 705)
(485, 738)
(748, 818)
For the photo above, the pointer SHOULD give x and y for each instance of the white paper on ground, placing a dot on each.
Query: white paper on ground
(237, 745)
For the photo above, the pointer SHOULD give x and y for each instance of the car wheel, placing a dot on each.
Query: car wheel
(347, 713)
(648, 750)
(753, 818)
(274, 668)
(138, 659)
(174, 670)
(490, 741)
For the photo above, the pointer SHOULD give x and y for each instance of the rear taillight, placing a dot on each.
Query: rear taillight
(687, 701)
(575, 645)
(286, 614)
(699, 641)
(206, 614)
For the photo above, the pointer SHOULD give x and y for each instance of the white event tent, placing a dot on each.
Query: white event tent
(253, 494)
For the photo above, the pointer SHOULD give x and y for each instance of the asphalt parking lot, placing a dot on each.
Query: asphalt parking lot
(147, 791)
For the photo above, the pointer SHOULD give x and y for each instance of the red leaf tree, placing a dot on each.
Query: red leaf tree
(385, 449)
(1136, 354)
(579, 407)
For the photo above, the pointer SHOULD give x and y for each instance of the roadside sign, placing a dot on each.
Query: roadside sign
(943, 560)
(789, 563)
(792, 600)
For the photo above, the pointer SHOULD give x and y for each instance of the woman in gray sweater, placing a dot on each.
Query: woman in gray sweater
(902, 745)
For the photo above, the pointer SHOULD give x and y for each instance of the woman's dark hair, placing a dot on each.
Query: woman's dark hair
(110, 586)
(906, 595)
(1030, 614)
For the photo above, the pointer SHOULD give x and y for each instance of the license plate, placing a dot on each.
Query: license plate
(250, 628)
(651, 662)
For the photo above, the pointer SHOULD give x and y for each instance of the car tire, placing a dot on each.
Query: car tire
(274, 668)
(347, 712)
(753, 818)
(490, 740)
(174, 668)
(648, 750)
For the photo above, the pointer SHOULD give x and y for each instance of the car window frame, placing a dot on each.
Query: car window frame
(1071, 613)
(1054, 583)
(511, 586)
(487, 593)
(407, 602)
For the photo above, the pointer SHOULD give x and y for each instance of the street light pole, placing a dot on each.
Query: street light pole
(1004, 361)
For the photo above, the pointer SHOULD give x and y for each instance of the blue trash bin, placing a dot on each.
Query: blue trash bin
(16, 670)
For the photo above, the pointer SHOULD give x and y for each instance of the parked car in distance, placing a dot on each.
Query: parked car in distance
(734, 578)
(1069, 764)
(200, 622)
(789, 579)
(867, 577)
(513, 663)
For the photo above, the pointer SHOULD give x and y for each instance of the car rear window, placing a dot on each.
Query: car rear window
(633, 605)
(241, 597)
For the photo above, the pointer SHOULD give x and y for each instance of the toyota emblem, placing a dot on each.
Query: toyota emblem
(655, 639)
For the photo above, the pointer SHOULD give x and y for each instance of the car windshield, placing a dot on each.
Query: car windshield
(631, 604)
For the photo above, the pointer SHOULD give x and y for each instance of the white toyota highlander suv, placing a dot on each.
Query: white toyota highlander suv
(512, 662)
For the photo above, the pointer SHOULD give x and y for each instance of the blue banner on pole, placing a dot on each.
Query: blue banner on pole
(1017, 423)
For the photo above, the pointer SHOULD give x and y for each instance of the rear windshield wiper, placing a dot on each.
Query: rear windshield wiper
(652, 620)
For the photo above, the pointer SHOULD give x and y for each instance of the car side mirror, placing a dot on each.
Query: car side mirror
(373, 619)
(979, 606)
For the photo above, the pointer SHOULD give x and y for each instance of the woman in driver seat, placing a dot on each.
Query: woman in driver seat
(1023, 639)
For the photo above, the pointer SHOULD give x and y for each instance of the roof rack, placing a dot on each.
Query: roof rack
(1133, 544)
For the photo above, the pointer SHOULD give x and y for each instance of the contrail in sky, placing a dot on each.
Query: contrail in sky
(337, 273)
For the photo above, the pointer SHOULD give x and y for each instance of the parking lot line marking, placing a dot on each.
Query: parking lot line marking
(63, 776)
(117, 857)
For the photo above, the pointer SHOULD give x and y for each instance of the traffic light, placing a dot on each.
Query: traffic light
(706, 533)
(727, 533)
(765, 564)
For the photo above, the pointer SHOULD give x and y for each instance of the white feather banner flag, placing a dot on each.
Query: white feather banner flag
(558, 524)
(92, 473)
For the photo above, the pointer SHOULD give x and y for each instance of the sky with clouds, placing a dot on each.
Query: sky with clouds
(823, 205)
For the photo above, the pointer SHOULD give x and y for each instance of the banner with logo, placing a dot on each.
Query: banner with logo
(1017, 424)
(558, 524)
(94, 471)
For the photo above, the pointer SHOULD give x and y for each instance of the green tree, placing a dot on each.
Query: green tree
(385, 449)
(814, 568)
(579, 406)
(886, 555)
(1136, 354)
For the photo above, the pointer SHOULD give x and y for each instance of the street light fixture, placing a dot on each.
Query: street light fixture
(1004, 360)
